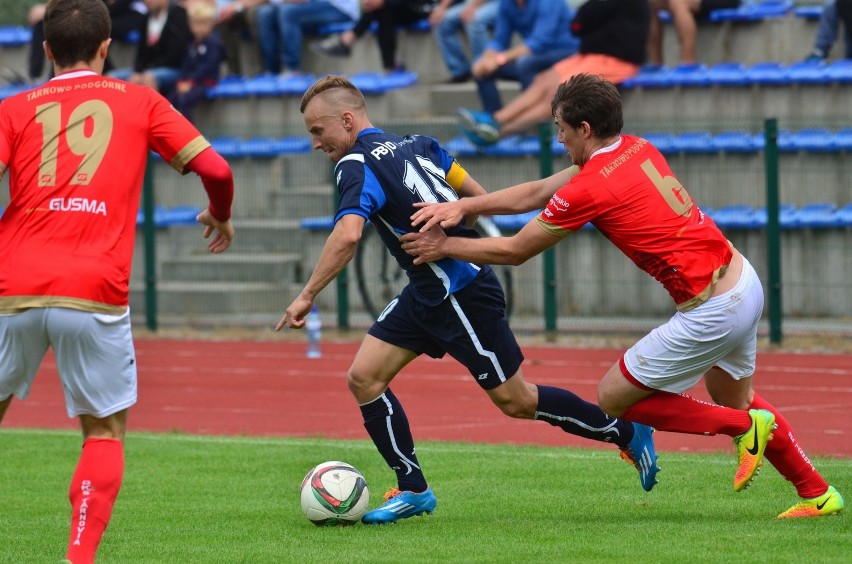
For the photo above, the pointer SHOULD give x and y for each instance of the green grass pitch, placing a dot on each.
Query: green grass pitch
(189, 499)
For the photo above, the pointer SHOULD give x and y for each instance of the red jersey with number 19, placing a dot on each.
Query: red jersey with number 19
(629, 193)
(76, 149)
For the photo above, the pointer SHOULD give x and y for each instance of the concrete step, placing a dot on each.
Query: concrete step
(282, 268)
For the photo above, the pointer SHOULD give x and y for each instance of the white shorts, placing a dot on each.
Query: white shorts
(94, 354)
(720, 332)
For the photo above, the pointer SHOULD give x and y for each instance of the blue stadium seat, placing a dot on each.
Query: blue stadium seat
(514, 146)
(753, 11)
(807, 72)
(689, 75)
(650, 76)
(263, 85)
(818, 215)
(321, 223)
(514, 222)
(839, 71)
(787, 216)
(14, 35)
(461, 146)
(229, 87)
(399, 79)
(294, 144)
(695, 142)
(261, 147)
(178, 215)
(844, 216)
(768, 73)
(808, 12)
(735, 142)
(228, 147)
(736, 217)
(786, 141)
(815, 139)
(295, 85)
(843, 139)
(664, 142)
(727, 74)
(12, 89)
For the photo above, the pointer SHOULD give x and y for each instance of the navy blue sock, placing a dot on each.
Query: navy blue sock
(577, 416)
(387, 425)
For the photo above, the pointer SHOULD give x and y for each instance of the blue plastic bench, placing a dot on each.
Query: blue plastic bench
(753, 11)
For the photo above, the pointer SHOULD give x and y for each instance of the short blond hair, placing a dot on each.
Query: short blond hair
(201, 10)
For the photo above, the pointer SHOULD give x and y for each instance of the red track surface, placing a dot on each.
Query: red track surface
(266, 388)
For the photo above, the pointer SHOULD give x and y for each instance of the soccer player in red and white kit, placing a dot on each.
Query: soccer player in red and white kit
(76, 150)
(625, 188)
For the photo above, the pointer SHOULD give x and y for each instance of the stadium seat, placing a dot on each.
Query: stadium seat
(843, 139)
(807, 72)
(261, 147)
(695, 142)
(12, 89)
(514, 222)
(753, 11)
(808, 12)
(689, 75)
(818, 215)
(229, 87)
(787, 218)
(650, 76)
(813, 139)
(768, 73)
(727, 74)
(14, 35)
(839, 71)
(321, 223)
(735, 142)
(736, 217)
(228, 147)
(844, 216)
(663, 141)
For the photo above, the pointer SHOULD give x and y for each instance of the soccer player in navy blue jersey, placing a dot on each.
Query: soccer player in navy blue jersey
(448, 307)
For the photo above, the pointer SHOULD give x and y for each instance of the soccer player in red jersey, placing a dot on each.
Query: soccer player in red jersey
(625, 188)
(76, 150)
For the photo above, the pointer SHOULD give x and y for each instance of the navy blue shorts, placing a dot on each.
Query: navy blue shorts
(470, 326)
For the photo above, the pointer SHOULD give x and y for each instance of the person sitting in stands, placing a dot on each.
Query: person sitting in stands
(388, 15)
(613, 35)
(203, 61)
(685, 17)
(161, 49)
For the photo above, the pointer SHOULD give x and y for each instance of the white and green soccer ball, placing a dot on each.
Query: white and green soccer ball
(334, 493)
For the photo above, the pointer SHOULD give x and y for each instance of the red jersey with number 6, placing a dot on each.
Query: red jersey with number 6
(76, 150)
(629, 193)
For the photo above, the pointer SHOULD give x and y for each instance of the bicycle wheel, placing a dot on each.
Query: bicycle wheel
(380, 278)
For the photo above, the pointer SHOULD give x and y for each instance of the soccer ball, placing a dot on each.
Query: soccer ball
(334, 493)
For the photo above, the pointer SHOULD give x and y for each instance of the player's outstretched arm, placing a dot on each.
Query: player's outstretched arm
(338, 251)
(520, 198)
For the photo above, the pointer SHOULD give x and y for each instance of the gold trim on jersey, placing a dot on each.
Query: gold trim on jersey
(704, 294)
(189, 152)
(17, 304)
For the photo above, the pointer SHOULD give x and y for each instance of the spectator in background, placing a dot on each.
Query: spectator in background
(613, 35)
(544, 27)
(685, 15)
(127, 18)
(389, 15)
(281, 25)
(476, 18)
(826, 35)
(161, 49)
(236, 22)
(202, 63)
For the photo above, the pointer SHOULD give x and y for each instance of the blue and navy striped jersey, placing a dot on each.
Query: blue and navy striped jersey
(380, 178)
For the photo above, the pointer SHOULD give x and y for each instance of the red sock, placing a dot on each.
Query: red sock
(681, 413)
(94, 487)
(785, 454)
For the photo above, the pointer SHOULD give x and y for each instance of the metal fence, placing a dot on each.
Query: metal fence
(285, 200)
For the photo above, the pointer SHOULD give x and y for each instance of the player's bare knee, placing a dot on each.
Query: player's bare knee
(362, 386)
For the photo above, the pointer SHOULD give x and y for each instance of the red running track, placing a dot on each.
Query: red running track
(269, 388)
